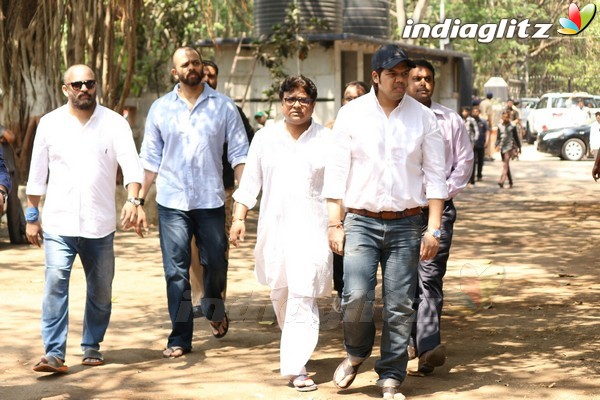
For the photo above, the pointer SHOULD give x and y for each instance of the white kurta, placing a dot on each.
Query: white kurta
(291, 247)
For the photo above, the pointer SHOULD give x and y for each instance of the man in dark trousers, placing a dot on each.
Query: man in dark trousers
(425, 337)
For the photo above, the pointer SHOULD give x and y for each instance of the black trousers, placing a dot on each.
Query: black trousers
(430, 297)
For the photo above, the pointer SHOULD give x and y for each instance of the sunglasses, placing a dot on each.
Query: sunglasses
(79, 84)
(290, 101)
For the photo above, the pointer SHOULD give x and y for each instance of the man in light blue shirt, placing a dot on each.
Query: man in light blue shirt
(182, 148)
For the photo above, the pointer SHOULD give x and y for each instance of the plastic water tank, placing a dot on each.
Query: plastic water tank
(367, 17)
(270, 12)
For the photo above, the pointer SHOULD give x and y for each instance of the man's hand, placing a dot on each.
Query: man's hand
(336, 236)
(129, 216)
(34, 233)
(237, 232)
(429, 246)
(141, 225)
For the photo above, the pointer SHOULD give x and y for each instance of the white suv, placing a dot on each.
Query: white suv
(559, 110)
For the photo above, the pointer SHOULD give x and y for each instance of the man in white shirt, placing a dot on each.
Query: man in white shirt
(77, 150)
(182, 149)
(388, 153)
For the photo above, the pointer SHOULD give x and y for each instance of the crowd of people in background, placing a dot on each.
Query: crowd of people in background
(372, 188)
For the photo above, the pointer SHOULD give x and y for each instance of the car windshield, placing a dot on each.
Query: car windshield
(566, 102)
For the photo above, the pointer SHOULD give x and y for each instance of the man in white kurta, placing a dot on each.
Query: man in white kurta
(287, 161)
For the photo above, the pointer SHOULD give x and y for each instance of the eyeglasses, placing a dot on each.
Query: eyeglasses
(304, 101)
(79, 84)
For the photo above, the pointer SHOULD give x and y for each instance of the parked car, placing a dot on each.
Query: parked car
(558, 110)
(571, 143)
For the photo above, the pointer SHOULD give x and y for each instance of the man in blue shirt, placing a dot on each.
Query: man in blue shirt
(182, 148)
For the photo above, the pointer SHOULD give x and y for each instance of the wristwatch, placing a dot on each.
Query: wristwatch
(136, 201)
(436, 233)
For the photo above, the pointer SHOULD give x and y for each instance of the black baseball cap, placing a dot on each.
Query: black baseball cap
(388, 56)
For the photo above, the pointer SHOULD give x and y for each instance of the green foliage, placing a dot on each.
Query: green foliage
(560, 63)
(168, 24)
(285, 41)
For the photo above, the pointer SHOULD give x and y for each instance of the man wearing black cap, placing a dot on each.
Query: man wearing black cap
(387, 162)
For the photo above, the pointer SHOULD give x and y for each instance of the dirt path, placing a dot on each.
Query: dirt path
(521, 320)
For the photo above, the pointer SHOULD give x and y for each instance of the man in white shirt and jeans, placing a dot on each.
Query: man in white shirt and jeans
(387, 163)
(77, 150)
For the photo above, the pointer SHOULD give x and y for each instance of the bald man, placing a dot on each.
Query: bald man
(185, 132)
(77, 150)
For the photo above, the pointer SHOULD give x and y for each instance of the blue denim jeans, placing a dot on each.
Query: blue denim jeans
(395, 244)
(98, 259)
(176, 228)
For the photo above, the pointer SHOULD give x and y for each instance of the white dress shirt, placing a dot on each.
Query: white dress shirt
(291, 245)
(379, 163)
(79, 164)
(457, 146)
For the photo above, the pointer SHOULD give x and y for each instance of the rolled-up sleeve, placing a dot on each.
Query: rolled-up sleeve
(337, 166)
(38, 169)
(237, 140)
(252, 178)
(127, 155)
(434, 161)
(152, 145)
(462, 166)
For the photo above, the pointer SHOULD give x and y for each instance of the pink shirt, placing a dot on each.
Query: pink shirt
(457, 148)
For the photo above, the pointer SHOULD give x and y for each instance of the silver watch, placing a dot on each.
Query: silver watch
(436, 233)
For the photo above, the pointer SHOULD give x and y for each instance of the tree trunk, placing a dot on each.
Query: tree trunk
(39, 37)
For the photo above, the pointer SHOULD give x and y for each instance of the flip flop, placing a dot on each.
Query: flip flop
(215, 326)
(174, 352)
(303, 383)
(51, 364)
(92, 357)
(344, 371)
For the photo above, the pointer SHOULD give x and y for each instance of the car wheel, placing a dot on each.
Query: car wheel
(573, 150)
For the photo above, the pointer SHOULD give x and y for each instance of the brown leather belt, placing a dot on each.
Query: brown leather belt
(409, 212)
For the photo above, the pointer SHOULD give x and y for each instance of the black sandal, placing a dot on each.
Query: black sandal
(216, 326)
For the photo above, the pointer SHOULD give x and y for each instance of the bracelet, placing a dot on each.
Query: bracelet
(239, 219)
(338, 225)
(32, 214)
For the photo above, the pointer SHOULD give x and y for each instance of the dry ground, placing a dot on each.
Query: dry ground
(521, 322)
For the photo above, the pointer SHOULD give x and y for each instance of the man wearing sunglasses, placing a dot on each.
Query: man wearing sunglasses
(77, 150)
(185, 132)
(387, 162)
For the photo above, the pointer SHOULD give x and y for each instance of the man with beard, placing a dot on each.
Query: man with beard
(77, 150)
(211, 77)
(182, 148)
(426, 339)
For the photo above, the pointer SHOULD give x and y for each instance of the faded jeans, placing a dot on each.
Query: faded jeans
(98, 259)
(396, 245)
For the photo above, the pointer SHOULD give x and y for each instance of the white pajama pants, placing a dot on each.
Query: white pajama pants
(298, 319)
